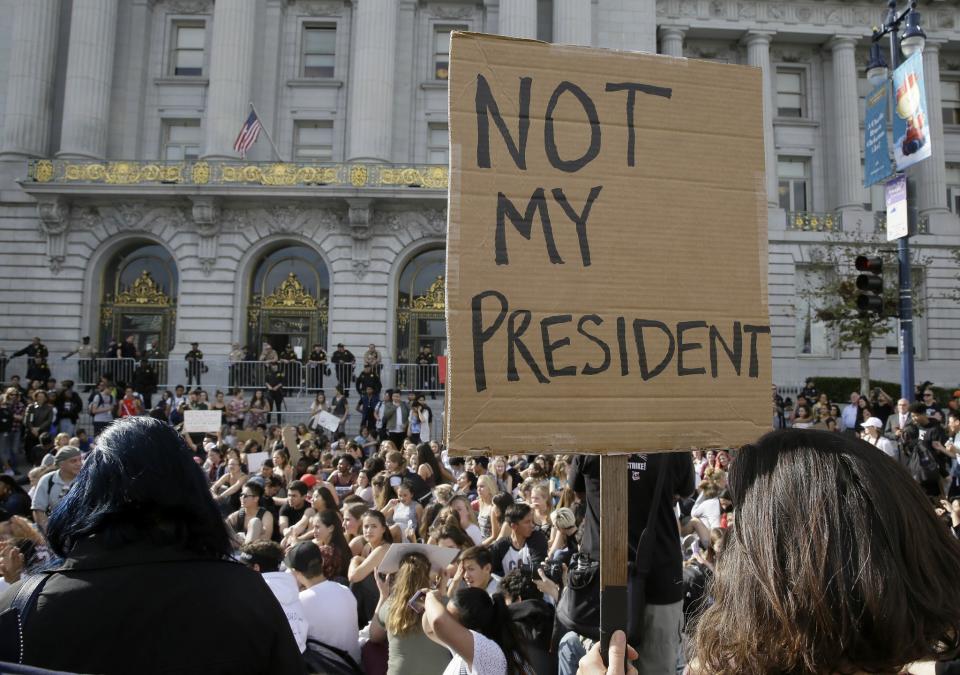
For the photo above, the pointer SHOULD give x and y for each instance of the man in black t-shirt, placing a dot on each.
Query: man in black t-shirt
(292, 512)
(663, 613)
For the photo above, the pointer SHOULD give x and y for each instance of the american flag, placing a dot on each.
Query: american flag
(248, 134)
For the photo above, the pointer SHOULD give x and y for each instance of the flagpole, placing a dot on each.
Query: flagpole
(267, 133)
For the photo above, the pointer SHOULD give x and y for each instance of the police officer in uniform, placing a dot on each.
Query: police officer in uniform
(195, 366)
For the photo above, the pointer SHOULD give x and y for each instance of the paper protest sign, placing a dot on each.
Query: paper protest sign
(202, 421)
(606, 251)
(327, 421)
(255, 461)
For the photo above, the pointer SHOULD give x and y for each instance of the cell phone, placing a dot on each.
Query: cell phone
(416, 602)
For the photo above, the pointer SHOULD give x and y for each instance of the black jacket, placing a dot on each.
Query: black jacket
(150, 609)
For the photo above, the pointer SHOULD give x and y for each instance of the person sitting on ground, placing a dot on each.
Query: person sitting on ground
(265, 557)
(251, 522)
(330, 609)
(525, 545)
(836, 563)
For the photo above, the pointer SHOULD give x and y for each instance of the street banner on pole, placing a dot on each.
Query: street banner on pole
(895, 193)
(606, 251)
(876, 164)
(911, 130)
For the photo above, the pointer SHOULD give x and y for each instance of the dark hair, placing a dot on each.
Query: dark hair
(518, 585)
(918, 407)
(836, 562)
(338, 542)
(425, 456)
(329, 503)
(430, 513)
(455, 534)
(502, 501)
(265, 553)
(516, 512)
(373, 513)
(299, 486)
(140, 483)
(479, 554)
(255, 487)
(490, 616)
(471, 477)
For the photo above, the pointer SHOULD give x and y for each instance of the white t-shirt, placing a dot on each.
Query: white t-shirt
(331, 612)
(474, 533)
(488, 659)
(708, 511)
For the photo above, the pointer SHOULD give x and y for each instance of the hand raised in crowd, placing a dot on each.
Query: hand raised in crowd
(547, 586)
(11, 562)
(383, 583)
(592, 663)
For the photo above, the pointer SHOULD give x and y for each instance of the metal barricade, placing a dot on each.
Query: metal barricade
(413, 376)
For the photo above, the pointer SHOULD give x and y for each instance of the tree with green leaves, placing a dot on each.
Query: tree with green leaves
(834, 299)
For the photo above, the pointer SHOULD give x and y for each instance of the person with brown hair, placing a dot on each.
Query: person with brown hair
(836, 563)
(397, 620)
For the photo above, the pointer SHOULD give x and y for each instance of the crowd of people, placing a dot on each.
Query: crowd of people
(316, 513)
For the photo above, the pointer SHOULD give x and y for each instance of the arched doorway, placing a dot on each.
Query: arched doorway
(139, 299)
(288, 300)
(420, 306)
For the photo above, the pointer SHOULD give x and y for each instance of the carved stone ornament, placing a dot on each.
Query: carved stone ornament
(424, 222)
(84, 217)
(461, 12)
(206, 216)
(143, 292)
(139, 216)
(281, 219)
(54, 224)
(318, 8)
(188, 6)
(360, 217)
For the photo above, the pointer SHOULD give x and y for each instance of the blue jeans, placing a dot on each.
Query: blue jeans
(9, 444)
(569, 652)
(66, 426)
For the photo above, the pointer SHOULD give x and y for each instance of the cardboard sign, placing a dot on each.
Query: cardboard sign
(255, 461)
(250, 434)
(327, 420)
(606, 251)
(202, 421)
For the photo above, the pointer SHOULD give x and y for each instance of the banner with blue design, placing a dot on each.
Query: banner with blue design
(876, 164)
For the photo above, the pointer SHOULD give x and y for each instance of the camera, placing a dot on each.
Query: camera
(553, 570)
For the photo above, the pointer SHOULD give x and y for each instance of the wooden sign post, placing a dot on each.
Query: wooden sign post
(606, 261)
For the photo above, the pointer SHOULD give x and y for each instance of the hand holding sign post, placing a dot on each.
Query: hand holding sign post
(584, 186)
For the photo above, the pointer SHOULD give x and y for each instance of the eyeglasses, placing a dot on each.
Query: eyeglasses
(248, 496)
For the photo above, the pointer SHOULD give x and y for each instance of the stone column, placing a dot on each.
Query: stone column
(518, 18)
(231, 69)
(932, 172)
(847, 177)
(572, 22)
(372, 57)
(86, 99)
(26, 124)
(758, 55)
(671, 40)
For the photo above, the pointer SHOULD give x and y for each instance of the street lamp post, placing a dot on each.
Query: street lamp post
(912, 40)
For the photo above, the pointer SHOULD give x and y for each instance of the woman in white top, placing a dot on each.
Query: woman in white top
(478, 632)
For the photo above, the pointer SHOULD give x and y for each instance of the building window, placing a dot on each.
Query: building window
(441, 50)
(812, 335)
(189, 39)
(791, 100)
(181, 140)
(950, 101)
(313, 141)
(319, 50)
(794, 178)
(437, 144)
(545, 20)
(953, 187)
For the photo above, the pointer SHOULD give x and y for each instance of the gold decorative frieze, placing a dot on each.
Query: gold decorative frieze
(270, 174)
(143, 292)
(290, 294)
(433, 300)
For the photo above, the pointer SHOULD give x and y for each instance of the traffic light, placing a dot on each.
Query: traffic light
(870, 283)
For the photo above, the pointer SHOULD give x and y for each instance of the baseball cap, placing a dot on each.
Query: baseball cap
(309, 479)
(873, 422)
(65, 453)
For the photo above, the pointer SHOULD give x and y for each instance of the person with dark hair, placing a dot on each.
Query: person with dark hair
(13, 498)
(377, 541)
(924, 451)
(475, 570)
(330, 609)
(479, 632)
(142, 537)
(525, 547)
(265, 557)
(467, 485)
(532, 615)
(251, 522)
(846, 600)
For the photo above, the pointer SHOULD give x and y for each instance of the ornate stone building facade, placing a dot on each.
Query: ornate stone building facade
(124, 209)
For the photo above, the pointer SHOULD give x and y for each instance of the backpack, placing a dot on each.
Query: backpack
(98, 401)
(322, 658)
(922, 465)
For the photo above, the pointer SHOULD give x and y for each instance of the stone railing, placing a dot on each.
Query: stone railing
(229, 173)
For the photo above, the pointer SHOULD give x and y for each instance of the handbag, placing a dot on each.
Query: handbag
(578, 609)
(13, 620)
